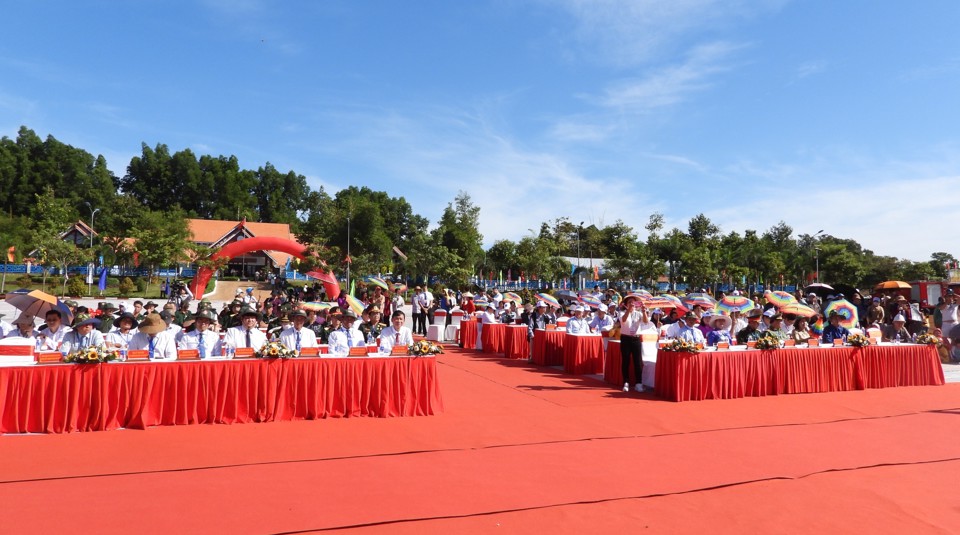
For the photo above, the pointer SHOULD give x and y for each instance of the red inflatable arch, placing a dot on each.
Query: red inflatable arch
(263, 243)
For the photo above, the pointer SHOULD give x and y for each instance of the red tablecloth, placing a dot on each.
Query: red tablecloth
(89, 397)
(734, 374)
(492, 337)
(583, 353)
(516, 345)
(611, 365)
(468, 334)
(548, 347)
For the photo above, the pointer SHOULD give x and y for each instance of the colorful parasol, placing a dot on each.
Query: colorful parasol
(377, 281)
(641, 292)
(317, 306)
(846, 309)
(817, 326)
(658, 302)
(355, 305)
(735, 303)
(698, 298)
(674, 302)
(548, 299)
(38, 303)
(591, 301)
(779, 299)
(399, 286)
(797, 309)
(513, 296)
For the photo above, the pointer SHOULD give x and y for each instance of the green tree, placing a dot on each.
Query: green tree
(162, 238)
(458, 231)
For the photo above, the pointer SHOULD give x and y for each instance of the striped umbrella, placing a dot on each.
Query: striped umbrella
(798, 309)
(377, 281)
(513, 296)
(778, 298)
(548, 299)
(317, 306)
(591, 301)
(698, 298)
(847, 311)
(658, 302)
(817, 326)
(675, 302)
(399, 286)
(355, 305)
(735, 303)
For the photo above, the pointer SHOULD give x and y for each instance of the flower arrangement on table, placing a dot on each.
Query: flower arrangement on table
(768, 341)
(275, 350)
(91, 355)
(858, 340)
(423, 348)
(928, 339)
(681, 346)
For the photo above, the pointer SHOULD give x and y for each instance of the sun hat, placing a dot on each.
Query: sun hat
(299, 313)
(85, 319)
(108, 306)
(899, 317)
(727, 321)
(150, 304)
(769, 312)
(689, 315)
(126, 315)
(349, 313)
(249, 311)
(541, 304)
(152, 324)
(754, 314)
(468, 295)
(207, 314)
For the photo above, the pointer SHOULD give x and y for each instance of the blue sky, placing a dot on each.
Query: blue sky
(840, 116)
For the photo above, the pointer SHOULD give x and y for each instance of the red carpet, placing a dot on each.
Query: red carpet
(521, 449)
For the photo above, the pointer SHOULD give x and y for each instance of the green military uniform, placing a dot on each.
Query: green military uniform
(106, 319)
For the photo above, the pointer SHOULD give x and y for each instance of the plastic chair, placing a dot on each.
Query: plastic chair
(440, 317)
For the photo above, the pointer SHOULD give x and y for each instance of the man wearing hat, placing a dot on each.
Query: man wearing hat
(83, 334)
(750, 333)
(230, 315)
(298, 337)
(834, 331)
(152, 336)
(898, 331)
(24, 328)
(107, 317)
(55, 330)
(776, 327)
(688, 329)
(347, 336)
(182, 314)
(172, 328)
(602, 322)
(124, 328)
(372, 327)
(202, 338)
(148, 308)
(578, 324)
(247, 333)
(333, 323)
(71, 305)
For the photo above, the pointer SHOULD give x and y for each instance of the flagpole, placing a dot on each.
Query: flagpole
(3, 284)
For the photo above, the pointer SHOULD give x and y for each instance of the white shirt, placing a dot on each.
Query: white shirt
(389, 338)
(289, 338)
(578, 326)
(634, 324)
(118, 339)
(691, 334)
(164, 346)
(237, 337)
(212, 347)
(54, 339)
(604, 324)
(5, 328)
(72, 341)
(341, 341)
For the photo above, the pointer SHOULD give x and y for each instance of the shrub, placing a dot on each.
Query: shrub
(76, 286)
(141, 284)
(25, 281)
(126, 287)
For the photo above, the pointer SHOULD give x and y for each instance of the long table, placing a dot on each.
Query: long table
(548, 347)
(89, 397)
(736, 374)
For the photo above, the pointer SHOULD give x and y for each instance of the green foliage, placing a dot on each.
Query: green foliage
(25, 281)
(126, 287)
(162, 238)
(76, 287)
(141, 283)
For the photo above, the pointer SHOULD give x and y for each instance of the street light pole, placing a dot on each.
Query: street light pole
(93, 214)
(349, 260)
(575, 272)
(816, 249)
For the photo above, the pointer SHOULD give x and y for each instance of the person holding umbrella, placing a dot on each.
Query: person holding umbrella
(24, 328)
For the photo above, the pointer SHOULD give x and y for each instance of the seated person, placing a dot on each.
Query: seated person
(298, 336)
(55, 331)
(750, 333)
(153, 336)
(578, 324)
(720, 323)
(24, 328)
(397, 334)
(834, 331)
(83, 334)
(247, 333)
(898, 331)
(602, 322)
(801, 331)
(373, 326)
(202, 338)
(688, 329)
(346, 336)
(775, 328)
(126, 326)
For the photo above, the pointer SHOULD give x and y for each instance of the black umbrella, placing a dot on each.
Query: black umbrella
(822, 290)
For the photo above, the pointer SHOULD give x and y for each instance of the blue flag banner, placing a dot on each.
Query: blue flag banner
(103, 279)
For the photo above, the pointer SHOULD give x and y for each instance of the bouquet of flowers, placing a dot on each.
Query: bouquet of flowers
(275, 350)
(768, 341)
(858, 340)
(928, 339)
(90, 355)
(681, 345)
(424, 347)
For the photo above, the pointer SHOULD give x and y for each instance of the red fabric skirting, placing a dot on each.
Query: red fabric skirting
(735, 374)
(90, 397)
(516, 345)
(492, 337)
(468, 334)
(548, 347)
(583, 354)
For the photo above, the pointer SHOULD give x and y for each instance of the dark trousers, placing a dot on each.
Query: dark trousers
(420, 323)
(631, 351)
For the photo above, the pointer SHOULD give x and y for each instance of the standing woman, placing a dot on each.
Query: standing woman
(631, 323)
